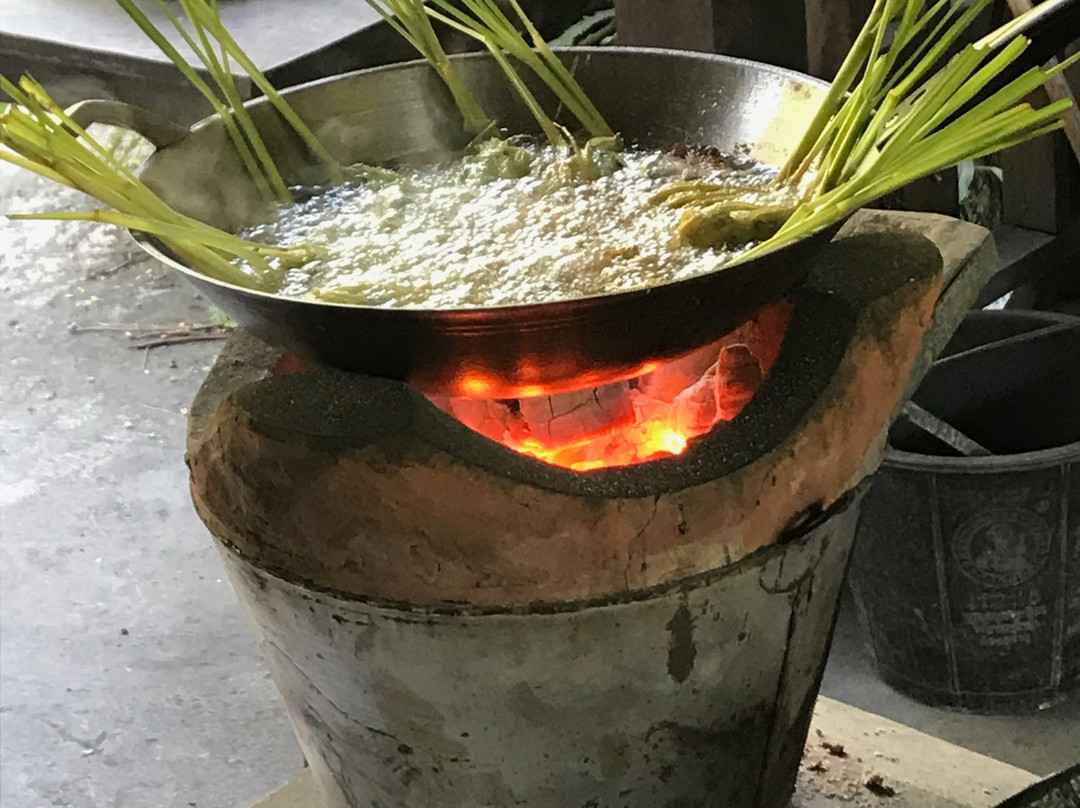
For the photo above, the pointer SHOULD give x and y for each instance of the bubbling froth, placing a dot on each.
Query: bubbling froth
(457, 235)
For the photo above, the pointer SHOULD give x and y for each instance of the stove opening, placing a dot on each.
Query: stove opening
(637, 420)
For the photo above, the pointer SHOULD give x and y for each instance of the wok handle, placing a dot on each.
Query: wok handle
(1052, 27)
(158, 130)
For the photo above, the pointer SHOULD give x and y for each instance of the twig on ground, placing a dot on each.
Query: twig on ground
(178, 339)
(156, 336)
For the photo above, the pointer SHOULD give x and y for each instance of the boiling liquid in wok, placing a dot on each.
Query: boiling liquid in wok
(462, 234)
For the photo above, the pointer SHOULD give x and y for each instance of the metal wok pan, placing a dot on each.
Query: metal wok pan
(403, 113)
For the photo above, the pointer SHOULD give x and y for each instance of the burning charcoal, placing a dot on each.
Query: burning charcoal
(672, 378)
(567, 402)
(738, 376)
(614, 399)
(694, 410)
(571, 416)
(641, 419)
(489, 418)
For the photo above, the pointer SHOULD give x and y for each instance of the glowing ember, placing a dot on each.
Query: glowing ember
(655, 415)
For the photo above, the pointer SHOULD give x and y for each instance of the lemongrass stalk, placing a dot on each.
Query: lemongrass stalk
(851, 67)
(174, 237)
(922, 102)
(903, 80)
(476, 120)
(222, 269)
(794, 176)
(217, 239)
(34, 97)
(593, 120)
(920, 156)
(899, 154)
(864, 149)
(76, 148)
(940, 46)
(1013, 92)
(1014, 119)
(937, 155)
(485, 22)
(221, 33)
(849, 143)
(553, 133)
(410, 19)
(848, 128)
(886, 97)
(227, 85)
(971, 150)
(187, 231)
(45, 171)
(917, 60)
(267, 177)
(905, 138)
(82, 147)
(55, 147)
(66, 154)
(189, 72)
(550, 129)
(928, 99)
(994, 39)
(977, 81)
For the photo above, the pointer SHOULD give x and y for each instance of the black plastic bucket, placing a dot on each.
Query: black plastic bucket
(1061, 790)
(966, 570)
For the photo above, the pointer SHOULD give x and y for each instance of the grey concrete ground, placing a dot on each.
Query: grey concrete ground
(127, 677)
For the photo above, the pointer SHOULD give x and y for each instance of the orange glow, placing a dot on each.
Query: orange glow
(476, 385)
(654, 415)
(620, 445)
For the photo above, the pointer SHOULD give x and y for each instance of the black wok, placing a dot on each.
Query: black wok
(402, 113)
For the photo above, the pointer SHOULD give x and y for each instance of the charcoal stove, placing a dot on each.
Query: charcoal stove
(453, 621)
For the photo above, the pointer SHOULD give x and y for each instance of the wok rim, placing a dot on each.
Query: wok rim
(525, 312)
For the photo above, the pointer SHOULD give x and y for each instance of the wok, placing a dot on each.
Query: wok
(403, 114)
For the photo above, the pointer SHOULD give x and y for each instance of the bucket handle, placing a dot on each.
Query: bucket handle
(160, 131)
(945, 432)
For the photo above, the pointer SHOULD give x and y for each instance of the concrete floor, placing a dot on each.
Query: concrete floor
(127, 676)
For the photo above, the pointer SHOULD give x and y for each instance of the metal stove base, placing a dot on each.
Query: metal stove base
(924, 771)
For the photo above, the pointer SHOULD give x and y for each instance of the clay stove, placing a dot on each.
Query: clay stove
(453, 621)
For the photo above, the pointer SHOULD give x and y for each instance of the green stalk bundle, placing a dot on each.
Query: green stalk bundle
(36, 134)
(485, 21)
(216, 49)
(892, 115)
(410, 19)
(885, 123)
